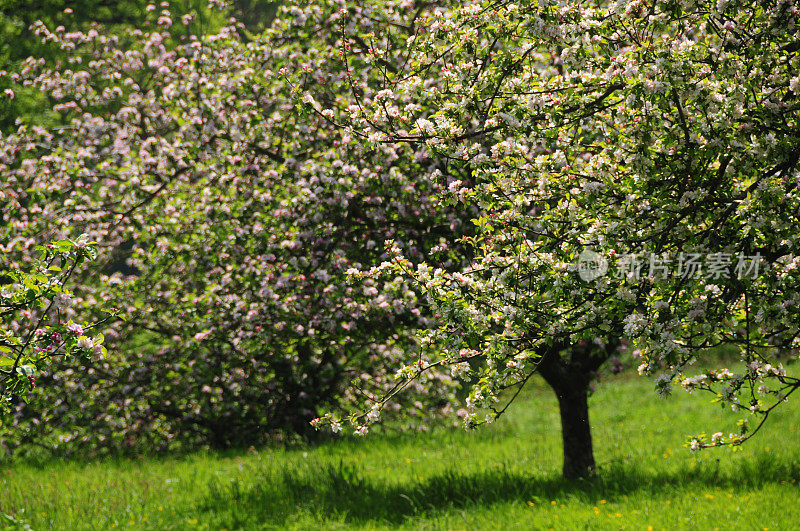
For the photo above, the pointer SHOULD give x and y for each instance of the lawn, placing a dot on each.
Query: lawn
(502, 476)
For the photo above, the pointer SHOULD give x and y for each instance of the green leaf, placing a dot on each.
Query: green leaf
(63, 246)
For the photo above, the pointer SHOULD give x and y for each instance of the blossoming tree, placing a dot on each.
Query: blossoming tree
(239, 209)
(636, 168)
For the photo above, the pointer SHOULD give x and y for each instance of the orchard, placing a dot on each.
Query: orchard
(337, 220)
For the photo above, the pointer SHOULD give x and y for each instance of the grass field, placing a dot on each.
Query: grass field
(502, 476)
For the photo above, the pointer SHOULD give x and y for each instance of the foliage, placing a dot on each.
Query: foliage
(34, 306)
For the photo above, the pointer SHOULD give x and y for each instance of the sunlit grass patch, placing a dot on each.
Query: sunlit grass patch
(494, 478)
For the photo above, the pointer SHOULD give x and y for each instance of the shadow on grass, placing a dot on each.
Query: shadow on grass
(345, 493)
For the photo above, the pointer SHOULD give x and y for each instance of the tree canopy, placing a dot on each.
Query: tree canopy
(650, 136)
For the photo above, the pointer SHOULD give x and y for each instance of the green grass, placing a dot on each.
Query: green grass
(499, 477)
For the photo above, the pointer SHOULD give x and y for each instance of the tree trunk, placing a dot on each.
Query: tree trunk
(575, 431)
(570, 382)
